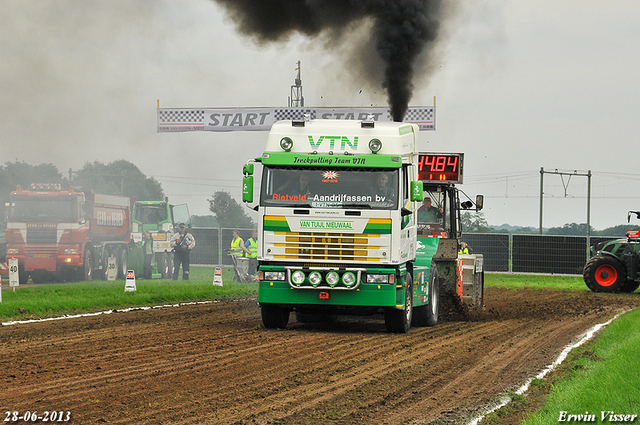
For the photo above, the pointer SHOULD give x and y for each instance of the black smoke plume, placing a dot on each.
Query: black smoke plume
(401, 31)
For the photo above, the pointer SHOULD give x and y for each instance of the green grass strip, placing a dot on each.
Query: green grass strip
(519, 281)
(53, 300)
(603, 377)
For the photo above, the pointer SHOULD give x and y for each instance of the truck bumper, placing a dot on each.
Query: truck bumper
(366, 295)
(50, 263)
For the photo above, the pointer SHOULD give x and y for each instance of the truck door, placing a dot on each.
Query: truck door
(181, 215)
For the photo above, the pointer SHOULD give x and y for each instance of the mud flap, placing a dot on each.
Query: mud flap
(471, 278)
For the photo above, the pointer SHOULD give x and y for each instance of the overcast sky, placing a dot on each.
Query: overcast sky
(519, 85)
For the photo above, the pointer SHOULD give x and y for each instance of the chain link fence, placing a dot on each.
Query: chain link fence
(544, 254)
(503, 252)
(213, 244)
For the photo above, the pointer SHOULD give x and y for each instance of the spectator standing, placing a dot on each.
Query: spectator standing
(251, 252)
(182, 243)
(237, 245)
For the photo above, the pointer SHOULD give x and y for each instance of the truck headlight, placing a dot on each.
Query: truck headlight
(332, 279)
(274, 275)
(297, 278)
(375, 145)
(378, 278)
(286, 143)
(71, 250)
(12, 251)
(315, 278)
(349, 279)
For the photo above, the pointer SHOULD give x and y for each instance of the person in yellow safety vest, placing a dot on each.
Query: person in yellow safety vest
(464, 248)
(237, 245)
(251, 252)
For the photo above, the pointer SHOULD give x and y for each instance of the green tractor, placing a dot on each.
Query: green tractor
(614, 265)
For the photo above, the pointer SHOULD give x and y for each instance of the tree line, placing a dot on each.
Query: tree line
(476, 223)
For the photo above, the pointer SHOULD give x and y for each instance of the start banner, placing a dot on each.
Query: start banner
(257, 119)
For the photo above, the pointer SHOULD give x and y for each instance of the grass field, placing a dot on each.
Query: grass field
(599, 380)
(51, 300)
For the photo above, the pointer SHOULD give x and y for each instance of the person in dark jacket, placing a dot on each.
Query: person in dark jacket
(182, 243)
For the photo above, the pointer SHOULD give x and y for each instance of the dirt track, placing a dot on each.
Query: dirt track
(215, 364)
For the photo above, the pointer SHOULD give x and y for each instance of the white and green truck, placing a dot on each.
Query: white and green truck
(341, 230)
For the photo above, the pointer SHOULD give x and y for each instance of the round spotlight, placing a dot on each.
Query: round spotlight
(349, 279)
(297, 278)
(315, 278)
(332, 279)
(375, 145)
(286, 144)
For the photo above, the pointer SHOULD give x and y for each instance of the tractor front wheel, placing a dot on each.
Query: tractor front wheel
(604, 273)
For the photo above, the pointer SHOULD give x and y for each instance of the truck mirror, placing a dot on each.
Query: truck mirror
(479, 202)
(416, 191)
(247, 169)
(247, 189)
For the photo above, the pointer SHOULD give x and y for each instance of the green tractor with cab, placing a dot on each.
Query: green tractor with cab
(614, 265)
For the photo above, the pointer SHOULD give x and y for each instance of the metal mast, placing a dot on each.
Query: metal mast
(296, 100)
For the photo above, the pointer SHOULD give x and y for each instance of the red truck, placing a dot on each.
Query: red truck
(66, 235)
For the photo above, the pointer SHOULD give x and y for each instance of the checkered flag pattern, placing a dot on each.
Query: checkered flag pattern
(181, 116)
(293, 114)
(419, 114)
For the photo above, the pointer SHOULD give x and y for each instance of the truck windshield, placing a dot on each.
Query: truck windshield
(330, 188)
(50, 209)
(151, 214)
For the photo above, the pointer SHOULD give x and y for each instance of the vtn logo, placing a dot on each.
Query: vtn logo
(343, 140)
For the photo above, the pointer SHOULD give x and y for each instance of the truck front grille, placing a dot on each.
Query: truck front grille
(42, 236)
(328, 246)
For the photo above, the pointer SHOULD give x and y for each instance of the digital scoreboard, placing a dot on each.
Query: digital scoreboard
(440, 167)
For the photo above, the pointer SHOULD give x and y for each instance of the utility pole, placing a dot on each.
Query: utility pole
(296, 100)
(570, 174)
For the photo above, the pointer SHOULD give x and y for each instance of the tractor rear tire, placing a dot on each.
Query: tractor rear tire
(604, 273)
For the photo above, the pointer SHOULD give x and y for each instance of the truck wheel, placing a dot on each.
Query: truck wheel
(399, 321)
(23, 276)
(123, 263)
(87, 269)
(604, 273)
(274, 316)
(427, 315)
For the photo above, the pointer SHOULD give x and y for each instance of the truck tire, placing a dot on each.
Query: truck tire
(274, 316)
(87, 269)
(123, 262)
(399, 321)
(23, 276)
(604, 273)
(427, 315)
